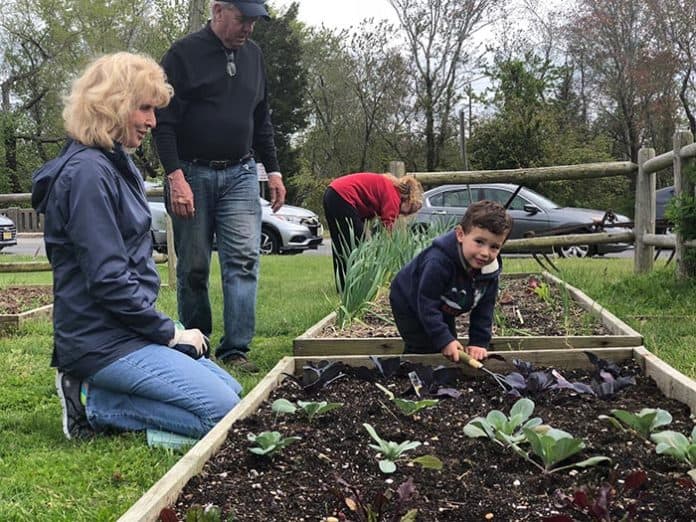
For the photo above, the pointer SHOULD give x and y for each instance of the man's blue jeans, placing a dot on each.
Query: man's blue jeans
(227, 208)
(163, 389)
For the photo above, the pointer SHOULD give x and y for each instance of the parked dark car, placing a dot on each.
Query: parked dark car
(662, 199)
(8, 232)
(532, 213)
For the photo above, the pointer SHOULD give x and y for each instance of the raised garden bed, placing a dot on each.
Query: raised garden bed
(19, 304)
(479, 480)
(560, 317)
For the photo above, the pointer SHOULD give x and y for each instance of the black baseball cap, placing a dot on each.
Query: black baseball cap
(250, 7)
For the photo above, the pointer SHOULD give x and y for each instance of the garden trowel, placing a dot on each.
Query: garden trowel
(468, 359)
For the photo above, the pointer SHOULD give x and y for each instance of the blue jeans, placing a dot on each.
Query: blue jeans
(159, 388)
(227, 208)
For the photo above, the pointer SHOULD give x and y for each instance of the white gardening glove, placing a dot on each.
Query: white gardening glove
(190, 342)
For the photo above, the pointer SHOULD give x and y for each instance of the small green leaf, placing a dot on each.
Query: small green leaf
(410, 516)
(592, 461)
(283, 406)
(429, 462)
(524, 408)
(387, 466)
(473, 431)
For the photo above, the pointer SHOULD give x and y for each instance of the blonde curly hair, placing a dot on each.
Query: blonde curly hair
(102, 98)
(410, 190)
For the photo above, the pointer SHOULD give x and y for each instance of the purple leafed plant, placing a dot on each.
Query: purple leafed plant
(319, 376)
(529, 381)
(385, 506)
(603, 502)
(607, 380)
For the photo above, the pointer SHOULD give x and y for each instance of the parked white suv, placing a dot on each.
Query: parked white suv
(291, 230)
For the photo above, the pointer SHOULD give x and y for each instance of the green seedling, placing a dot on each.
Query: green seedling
(406, 406)
(644, 422)
(678, 446)
(393, 451)
(269, 442)
(311, 409)
(283, 406)
(316, 409)
(553, 446)
(543, 291)
(501, 428)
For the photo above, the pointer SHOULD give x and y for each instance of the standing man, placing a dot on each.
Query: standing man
(208, 138)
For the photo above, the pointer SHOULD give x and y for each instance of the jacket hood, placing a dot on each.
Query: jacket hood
(448, 244)
(43, 179)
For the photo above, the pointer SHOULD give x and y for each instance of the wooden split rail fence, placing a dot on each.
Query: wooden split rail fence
(643, 234)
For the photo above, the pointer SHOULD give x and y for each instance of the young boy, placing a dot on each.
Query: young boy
(458, 273)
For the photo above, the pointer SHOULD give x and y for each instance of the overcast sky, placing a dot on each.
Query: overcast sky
(340, 14)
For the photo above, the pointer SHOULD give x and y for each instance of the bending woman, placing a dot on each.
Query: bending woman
(354, 198)
(121, 364)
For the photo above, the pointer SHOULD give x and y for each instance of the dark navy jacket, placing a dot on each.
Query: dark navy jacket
(437, 285)
(97, 236)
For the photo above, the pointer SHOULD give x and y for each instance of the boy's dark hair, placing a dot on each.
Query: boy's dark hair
(489, 215)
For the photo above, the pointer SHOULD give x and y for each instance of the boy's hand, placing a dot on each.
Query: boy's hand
(477, 352)
(451, 351)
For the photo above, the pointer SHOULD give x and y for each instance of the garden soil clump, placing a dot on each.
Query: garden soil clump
(18, 299)
(479, 479)
(520, 310)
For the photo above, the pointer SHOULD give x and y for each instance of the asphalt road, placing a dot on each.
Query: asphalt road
(34, 246)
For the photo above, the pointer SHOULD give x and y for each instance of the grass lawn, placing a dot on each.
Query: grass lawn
(45, 477)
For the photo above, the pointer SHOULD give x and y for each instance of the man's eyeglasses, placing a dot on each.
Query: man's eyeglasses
(231, 65)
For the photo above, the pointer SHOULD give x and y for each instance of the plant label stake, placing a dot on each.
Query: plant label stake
(463, 356)
(416, 383)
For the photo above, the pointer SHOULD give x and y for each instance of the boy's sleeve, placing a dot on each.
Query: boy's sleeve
(435, 277)
(481, 317)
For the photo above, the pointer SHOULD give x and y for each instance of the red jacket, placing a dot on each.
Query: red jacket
(371, 194)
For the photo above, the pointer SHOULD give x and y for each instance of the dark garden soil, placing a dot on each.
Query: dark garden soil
(520, 311)
(18, 299)
(479, 481)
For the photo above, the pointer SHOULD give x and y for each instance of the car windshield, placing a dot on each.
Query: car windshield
(538, 200)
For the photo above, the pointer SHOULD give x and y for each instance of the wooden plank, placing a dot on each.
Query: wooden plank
(165, 491)
(556, 358)
(14, 321)
(525, 176)
(594, 238)
(394, 345)
(613, 323)
(671, 382)
(315, 329)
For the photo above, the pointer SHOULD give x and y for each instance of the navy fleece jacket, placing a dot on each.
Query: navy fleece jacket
(437, 285)
(97, 236)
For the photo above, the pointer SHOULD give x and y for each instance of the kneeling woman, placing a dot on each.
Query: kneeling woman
(122, 364)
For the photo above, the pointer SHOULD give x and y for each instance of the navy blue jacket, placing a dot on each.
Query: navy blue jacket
(98, 240)
(437, 285)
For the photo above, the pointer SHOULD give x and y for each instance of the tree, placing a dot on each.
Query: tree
(614, 36)
(44, 45)
(436, 32)
(281, 42)
(674, 22)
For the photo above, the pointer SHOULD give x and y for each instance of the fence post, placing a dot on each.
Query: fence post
(171, 255)
(682, 185)
(644, 220)
(398, 168)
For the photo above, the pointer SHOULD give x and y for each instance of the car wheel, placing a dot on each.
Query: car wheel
(270, 242)
(574, 251)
